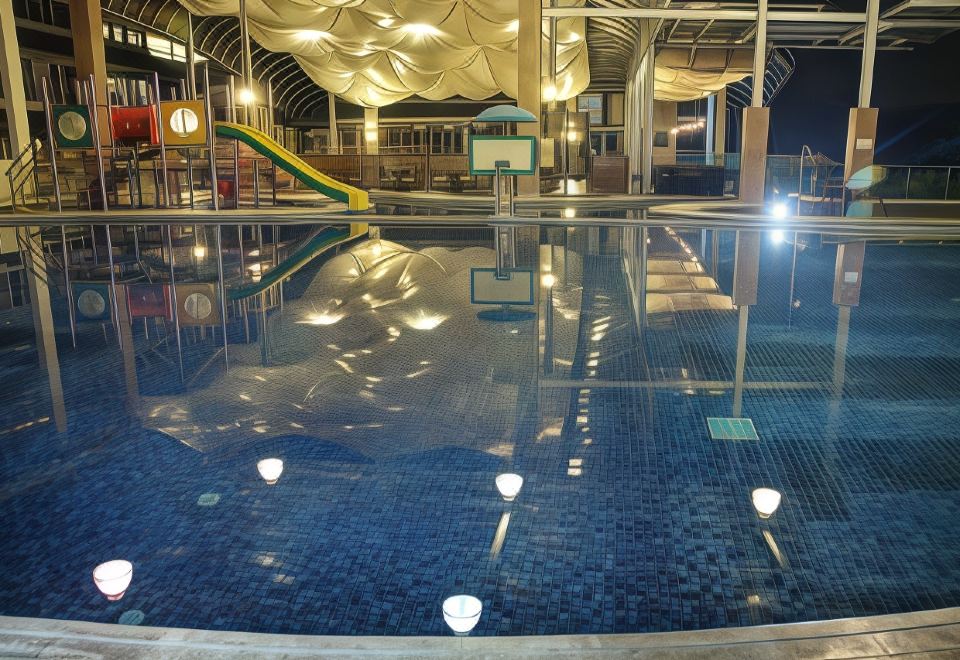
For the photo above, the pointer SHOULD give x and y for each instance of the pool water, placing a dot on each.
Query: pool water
(394, 406)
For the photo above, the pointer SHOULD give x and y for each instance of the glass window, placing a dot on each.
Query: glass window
(29, 82)
(61, 15)
(593, 104)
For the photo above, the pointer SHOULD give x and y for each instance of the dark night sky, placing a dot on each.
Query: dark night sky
(917, 92)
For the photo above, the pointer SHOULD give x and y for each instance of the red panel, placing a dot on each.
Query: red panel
(151, 300)
(135, 123)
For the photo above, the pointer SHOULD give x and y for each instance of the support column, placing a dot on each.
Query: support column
(753, 154)
(646, 119)
(371, 130)
(249, 104)
(191, 60)
(862, 126)
(86, 26)
(720, 124)
(529, 74)
(332, 115)
(760, 54)
(13, 92)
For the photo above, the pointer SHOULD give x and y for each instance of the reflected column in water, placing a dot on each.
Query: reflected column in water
(129, 352)
(847, 278)
(746, 270)
(35, 269)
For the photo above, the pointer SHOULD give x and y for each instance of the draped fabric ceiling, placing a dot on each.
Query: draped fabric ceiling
(377, 52)
(682, 76)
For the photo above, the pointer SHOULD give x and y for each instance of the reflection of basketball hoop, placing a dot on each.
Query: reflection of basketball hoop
(72, 125)
(91, 304)
(184, 122)
(198, 306)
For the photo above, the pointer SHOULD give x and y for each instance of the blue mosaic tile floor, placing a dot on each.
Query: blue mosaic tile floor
(631, 518)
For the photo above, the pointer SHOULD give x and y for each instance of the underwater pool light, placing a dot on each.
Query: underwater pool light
(509, 485)
(270, 469)
(462, 612)
(765, 501)
(113, 577)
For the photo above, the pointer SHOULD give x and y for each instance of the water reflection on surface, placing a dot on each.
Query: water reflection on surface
(336, 469)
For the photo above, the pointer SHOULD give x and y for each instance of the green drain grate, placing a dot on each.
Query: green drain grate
(732, 428)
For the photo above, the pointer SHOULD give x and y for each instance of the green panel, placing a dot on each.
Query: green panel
(71, 127)
(504, 138)
(732, 428)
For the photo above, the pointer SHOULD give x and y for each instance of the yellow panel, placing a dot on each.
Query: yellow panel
(184, 123)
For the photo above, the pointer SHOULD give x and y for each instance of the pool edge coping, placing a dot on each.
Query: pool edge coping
(878, 635)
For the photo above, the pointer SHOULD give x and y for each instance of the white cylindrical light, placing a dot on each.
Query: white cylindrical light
(509, 485)
(113, 577)
(462, 613)
(270, 469)
(765, 501)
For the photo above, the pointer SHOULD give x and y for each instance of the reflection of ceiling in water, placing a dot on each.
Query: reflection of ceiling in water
(681, 283)
(383, 354)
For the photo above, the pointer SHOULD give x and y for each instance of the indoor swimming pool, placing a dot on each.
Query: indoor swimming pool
(394, 403)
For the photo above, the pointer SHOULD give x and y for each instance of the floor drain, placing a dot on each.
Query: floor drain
(208, 499)
(732, 428)
(132, 618)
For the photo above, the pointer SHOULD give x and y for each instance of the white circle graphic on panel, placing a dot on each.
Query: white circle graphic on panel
(72, 125)
(198, 306)
(91, 304)
(184, 122)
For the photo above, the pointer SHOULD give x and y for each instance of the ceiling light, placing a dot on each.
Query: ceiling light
(245, 96)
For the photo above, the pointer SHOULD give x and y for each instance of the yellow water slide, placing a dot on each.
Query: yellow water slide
(355, 198)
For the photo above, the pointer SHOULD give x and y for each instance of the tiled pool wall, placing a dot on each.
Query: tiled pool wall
(631, 519)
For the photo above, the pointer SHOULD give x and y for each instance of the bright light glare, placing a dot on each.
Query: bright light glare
(777, 236)
(424, 321)
(113, 577)
(312, 35)
(549, 93)
(509, 485)
(462, 613)
(270, 469)
(385, 22)
(199, 251)
(569, 212)
(780, 210)
(420, 29)
(245, 96)
(766, 501)
(514, 25)
(323, 318)
(548, 280)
